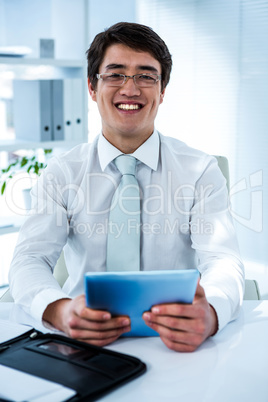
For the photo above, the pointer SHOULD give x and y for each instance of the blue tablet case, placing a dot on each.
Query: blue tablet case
(133, 293)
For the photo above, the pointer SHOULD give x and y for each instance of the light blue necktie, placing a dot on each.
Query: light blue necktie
(123, 241)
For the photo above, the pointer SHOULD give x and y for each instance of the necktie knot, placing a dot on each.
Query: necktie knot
(126, 164)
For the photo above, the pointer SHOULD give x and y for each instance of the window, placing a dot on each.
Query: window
(217, 99)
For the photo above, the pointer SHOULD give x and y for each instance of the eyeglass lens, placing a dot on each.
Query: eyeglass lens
(141, 80)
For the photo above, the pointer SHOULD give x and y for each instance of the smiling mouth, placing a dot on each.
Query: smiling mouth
(127, 106)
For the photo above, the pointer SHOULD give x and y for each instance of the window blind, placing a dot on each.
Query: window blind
(217, 99)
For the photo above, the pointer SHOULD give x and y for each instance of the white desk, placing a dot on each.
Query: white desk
(231, 367)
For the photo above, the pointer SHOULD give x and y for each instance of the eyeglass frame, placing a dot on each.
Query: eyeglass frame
(127, 77)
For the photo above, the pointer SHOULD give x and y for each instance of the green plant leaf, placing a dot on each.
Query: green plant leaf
(24, 161)
(36, 168)
(28, 164)
(3, 187)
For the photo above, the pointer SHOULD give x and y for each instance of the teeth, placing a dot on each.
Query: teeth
(124, 106)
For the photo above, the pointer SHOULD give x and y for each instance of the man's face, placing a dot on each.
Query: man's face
(127, 112)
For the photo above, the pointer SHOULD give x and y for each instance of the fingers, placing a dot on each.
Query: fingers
(98, 336)
(174, 323)
(178, 333)
(97, 325)
(92, 326)
(97, 342)
(79, 308)
(183, 310)
(183, 327)
(178, 310)
(179, 347)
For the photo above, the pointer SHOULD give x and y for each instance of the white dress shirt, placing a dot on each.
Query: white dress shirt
(185, 218)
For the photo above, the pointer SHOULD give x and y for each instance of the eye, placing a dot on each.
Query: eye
(113, 77)
(147, 78)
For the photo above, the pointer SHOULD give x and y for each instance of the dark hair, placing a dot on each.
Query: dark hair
(135, 36)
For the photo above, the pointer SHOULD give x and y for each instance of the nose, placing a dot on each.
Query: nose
(129, 88)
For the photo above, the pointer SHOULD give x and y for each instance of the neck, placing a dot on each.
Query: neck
(125, 144)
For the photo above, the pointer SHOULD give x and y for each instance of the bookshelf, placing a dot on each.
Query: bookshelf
(34, 69)
(9, 62)
(14, 145)
(24, 23)
(24, 68)
(38, 69)
(28, 69)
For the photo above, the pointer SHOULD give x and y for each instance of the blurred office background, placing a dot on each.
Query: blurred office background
(217, 99)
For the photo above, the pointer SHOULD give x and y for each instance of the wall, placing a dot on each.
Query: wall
(24, 22)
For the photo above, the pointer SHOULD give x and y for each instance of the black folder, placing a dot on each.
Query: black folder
(89, 370)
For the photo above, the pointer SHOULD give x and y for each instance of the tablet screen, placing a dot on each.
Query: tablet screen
(133, 293)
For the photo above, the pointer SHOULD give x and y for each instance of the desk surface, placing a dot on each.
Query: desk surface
(230, 367)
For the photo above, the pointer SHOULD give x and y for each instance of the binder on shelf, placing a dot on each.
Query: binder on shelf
(49, 110)
(73, 109)
(32, 110)
(78, 129)
(68, 109)
(57, 110)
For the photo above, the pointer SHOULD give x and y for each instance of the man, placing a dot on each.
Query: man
(184, 207)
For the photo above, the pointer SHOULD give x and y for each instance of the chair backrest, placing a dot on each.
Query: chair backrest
(60, 271)
(252, 291)
(224, 166)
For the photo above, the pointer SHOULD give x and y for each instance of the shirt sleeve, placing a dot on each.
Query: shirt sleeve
(40, 242)
(214, 239)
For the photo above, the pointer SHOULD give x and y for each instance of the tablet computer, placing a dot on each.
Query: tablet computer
(133, 293)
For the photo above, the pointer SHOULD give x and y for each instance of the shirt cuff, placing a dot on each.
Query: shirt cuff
(43, 299)
(223, 309)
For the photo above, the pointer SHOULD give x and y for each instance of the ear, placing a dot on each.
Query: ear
(162, 94)
(92, 91)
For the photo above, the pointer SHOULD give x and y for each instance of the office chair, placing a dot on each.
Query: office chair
(224, 167)
(252, 291)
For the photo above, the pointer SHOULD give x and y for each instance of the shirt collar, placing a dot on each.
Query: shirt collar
(147, 153)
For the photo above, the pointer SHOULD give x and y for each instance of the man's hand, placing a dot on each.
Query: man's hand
(183, 327)
(80, 322)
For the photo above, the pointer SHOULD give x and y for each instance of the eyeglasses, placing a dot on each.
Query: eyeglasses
(117, 80)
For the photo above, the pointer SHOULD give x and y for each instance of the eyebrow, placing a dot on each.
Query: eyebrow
(114, 66)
